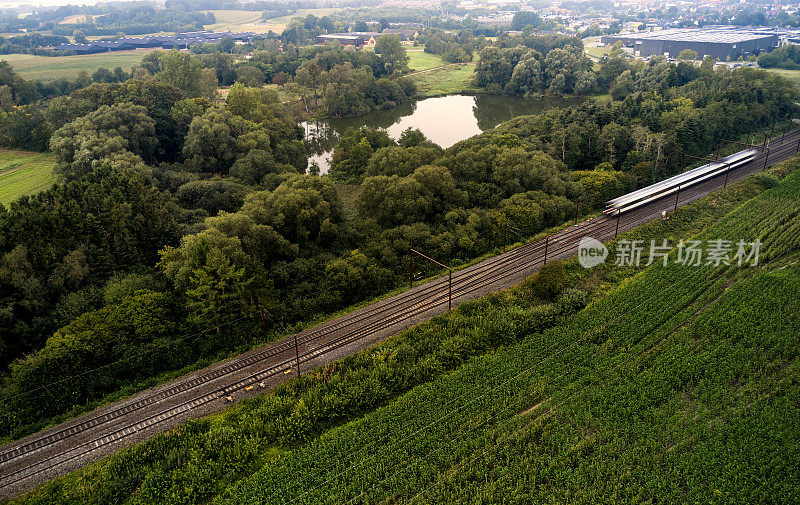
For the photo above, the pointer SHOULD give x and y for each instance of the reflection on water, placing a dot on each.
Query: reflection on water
(444, 120)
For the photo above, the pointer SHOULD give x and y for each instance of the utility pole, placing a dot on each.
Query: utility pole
(411, 252)
(296, 355)
(577, 208)
(616, 231)
(546, 243)
(798, 148)
(727, 171)
(450, 290)
(765, 159)
(505, 235)
(410, 269)
(676, 197)
(264, 325)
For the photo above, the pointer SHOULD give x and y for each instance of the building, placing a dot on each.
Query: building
(143, 42)
(720, 44)
(180, 41)
(355, 39)
(115, 45)
(407, 36)
(344, 39)
(369, 38)
(81, 48)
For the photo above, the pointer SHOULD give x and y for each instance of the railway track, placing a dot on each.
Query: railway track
(52, 452)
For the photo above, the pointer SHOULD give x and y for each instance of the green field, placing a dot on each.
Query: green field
(441, 79)
(598, 52)
(237, 20)
(46, 68)
(24, 173)
(420, 60)
(791, 75)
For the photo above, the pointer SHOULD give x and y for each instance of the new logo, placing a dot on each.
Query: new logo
(591, 252)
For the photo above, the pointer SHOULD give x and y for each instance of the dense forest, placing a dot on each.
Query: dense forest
(179, 217)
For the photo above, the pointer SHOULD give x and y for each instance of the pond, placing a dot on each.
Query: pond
(444, 120)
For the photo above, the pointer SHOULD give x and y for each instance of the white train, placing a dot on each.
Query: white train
(669, 186)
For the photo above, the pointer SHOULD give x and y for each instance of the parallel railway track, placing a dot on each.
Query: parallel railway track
(47, 454)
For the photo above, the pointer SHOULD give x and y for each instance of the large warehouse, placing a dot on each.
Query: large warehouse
(717, 43)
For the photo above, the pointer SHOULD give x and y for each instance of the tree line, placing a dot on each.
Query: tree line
(534, 64)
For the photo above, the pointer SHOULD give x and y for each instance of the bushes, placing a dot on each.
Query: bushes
(548, 282)
(119, 331)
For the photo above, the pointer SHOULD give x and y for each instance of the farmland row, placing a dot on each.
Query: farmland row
(640, 378)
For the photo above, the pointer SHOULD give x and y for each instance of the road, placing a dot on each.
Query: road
(80, 441)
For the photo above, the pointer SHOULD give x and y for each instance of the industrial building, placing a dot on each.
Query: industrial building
(720, 44)
(346, 39)
(180, 41)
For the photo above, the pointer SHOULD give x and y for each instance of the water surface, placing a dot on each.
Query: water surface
(444, 120)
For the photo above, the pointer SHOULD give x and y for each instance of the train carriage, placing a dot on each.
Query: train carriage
(670, 186)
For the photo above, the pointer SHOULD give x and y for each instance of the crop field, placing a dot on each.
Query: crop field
(47, 68)
(24, 173)
(679, 386)
(78, 18)
(432, 396)
(237, 20)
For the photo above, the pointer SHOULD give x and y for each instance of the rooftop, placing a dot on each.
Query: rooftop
(695, 35)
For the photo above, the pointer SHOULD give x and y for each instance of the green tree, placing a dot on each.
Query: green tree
(429, 192)
(522, 19)
(250, 76)
(548, 282)
(687, 55)
(351, 155)
(183, 71)
(103, 74)
(302, 209)
(208, 84)
(526, 78)
(213, 141)
(217, 290)
(212, 195)
(399, 160)
(708, 64)
(411, 137)
(226, 44)
(255, 164)
(393, 54)
(83, 144)
(311, 75)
